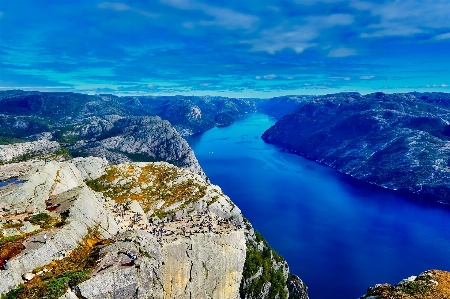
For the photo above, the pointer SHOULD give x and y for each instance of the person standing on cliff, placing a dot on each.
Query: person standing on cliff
(45, 238)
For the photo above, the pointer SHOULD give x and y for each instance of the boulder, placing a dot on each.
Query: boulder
(27, 227)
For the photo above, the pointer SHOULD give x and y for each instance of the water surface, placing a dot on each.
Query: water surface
(338, 234)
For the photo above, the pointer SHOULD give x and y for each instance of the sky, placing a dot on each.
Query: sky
(239, 48)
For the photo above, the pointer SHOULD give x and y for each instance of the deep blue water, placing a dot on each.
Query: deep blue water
(338, 234)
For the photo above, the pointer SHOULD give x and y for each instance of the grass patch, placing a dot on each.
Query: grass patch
(65, 273)
(156, 182)
(44, 220)
(11, 224)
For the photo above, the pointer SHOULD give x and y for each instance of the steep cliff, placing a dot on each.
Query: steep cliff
(398, 141)
(133, 230)
(146, 138)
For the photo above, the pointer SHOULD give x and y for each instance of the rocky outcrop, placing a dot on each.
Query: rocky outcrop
(297, 288)
(19, 151)
(398, 141)
(427, 285)
(111, 279)
(134, 230)
(204, 266)
(146, 138)
(64, 183)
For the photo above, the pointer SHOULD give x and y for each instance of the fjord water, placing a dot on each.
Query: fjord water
(338, 234)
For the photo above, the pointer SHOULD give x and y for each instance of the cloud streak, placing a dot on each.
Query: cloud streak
(220, 47)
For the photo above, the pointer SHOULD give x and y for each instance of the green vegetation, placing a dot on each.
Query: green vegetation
(62, 152)
(11, 224)
(65, 273)
(10, 140)
(256, 260)
(156, 182)
(14, 294)
(44, 220)
(414, 288)
(5, 240)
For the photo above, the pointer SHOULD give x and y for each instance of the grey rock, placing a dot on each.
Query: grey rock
(28, 276)
(35, 148)
(297, 288)
(9, 232)
(69, 295)
(91, 168)
(116, 276)
(204, 266)
(27, 227)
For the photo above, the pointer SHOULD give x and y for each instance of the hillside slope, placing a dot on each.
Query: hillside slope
(398, 141)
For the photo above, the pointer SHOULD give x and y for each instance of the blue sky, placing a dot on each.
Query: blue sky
(245, 48)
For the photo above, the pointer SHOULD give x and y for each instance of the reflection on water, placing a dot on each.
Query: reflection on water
(338, 234)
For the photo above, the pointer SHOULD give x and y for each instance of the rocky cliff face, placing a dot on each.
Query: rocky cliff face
(84, 228)
(398, 141)
(19, 151)
(146, 138)
(427, 285)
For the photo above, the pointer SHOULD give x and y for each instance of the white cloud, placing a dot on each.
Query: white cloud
(342, 52)
(342, 78)
(257, 77)
(114, 6)
(278, 39)
(331, 20)
(404, 17)
(312, 2)
(399, 30)
(366, 77)
(205, 84)
(361, 5)
(297, 37)
(440, 85)
(188, 25)
(118, 6)
(274, 8)
(443, 36)
(270, 77)
(223, 17)
(228, 18)
(151, 86)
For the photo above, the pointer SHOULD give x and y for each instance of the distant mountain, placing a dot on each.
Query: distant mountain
(191, 114)
(121, 129)
(398, 141)
(280, 106)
